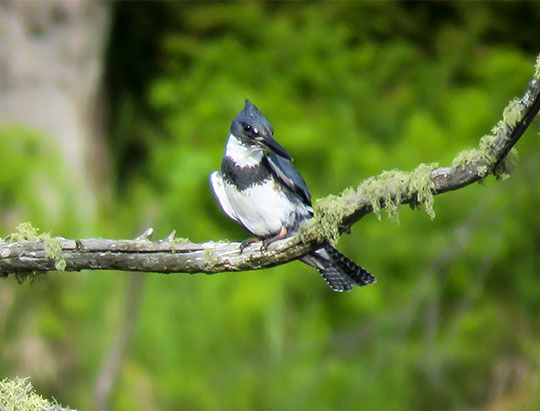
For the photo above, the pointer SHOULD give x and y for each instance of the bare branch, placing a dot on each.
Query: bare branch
(335, 214)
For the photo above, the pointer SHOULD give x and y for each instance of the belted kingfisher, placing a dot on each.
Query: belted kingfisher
(259, 188)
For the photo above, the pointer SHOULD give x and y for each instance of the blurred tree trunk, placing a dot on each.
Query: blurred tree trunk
(51, 65)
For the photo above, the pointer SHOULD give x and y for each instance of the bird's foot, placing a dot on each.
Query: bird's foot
(279, 236)
(247, 242)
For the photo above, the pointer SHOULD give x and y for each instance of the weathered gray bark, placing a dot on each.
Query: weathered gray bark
(335, 215)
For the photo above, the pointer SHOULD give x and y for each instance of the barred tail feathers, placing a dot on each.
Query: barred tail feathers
(340, 273)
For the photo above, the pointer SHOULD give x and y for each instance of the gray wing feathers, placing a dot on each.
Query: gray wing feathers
(284, 170)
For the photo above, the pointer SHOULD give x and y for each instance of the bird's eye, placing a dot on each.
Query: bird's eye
(247, 128)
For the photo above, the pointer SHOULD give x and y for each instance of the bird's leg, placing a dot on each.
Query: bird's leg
(246, 242)
(279, 236)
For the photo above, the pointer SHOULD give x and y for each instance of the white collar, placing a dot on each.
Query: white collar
(242, 155)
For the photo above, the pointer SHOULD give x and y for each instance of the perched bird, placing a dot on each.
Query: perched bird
(259, 188)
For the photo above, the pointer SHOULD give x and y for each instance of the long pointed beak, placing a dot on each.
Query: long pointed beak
(273, 145)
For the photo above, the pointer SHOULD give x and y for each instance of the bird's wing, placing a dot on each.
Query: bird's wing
(284, 170)
(216, 182)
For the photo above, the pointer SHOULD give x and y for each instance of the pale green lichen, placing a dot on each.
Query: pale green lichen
(386, 191)
(53, 250)
(388, 187)
(329, 211)
(485, 157)
(19, 394)
(210, 258)
(392, 186)
(24, 232)
(488, 149)
(180, 240)
(512, 113)
(313, 230)
(466, 157)
(420, 183)
(507, 166)
(483, 171)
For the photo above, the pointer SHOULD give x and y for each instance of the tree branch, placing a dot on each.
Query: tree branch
(335, 215)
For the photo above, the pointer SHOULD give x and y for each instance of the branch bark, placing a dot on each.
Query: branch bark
(335, 214)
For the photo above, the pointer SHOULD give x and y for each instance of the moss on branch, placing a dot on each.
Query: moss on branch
(53, 250)
(19, 394)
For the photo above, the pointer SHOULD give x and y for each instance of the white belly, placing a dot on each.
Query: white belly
(263, 209)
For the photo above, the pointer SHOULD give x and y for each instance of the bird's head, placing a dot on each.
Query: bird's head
(252, 128)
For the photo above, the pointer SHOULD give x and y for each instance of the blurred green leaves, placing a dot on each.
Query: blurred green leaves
(351, 90)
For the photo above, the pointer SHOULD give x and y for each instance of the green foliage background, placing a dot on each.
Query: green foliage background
(351, 89)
